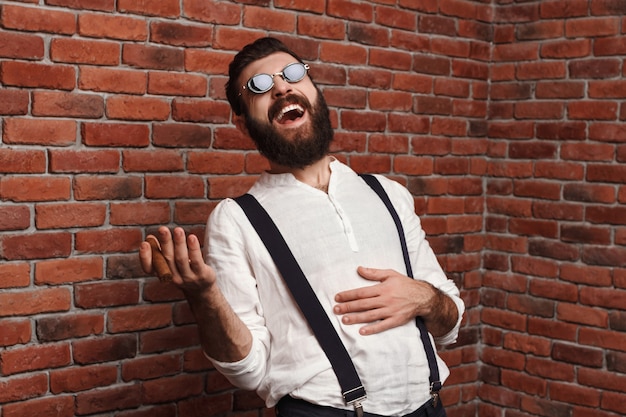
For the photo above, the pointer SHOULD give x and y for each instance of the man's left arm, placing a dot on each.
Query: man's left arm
(396, 300)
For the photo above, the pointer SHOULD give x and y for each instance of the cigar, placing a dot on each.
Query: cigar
(159, 264)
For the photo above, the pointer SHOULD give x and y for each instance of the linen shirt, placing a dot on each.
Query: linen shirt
(330, 235)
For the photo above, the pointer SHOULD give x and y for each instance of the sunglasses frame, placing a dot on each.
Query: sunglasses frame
(248, 87)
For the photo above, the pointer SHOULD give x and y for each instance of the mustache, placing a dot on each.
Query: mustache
(279, 104)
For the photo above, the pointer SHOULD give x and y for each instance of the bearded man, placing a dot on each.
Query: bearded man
(354, 258)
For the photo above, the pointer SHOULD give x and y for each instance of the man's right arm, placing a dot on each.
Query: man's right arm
(223, 336)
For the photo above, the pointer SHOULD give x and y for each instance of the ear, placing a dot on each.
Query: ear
(240, 123)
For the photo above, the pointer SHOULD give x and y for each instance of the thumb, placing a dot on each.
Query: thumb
(372, 274)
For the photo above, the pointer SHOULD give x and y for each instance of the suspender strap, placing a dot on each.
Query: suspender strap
(351, 386)
(435, 382)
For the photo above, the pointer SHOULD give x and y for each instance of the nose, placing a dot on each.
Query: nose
(281, 87)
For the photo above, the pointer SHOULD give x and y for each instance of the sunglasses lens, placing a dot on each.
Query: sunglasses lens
(294, 72)
(260, 83)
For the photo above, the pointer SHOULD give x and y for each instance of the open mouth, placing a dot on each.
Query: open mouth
(290, 113)
(288, 110)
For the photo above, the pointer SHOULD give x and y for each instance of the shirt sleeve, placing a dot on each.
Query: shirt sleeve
(423, 260)
(226, 253)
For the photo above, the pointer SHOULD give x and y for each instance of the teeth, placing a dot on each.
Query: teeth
(287, 109)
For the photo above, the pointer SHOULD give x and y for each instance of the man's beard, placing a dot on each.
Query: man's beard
(305, 145)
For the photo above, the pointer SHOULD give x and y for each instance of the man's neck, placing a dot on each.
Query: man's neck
(316, 175)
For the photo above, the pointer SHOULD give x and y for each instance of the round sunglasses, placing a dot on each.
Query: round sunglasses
(262, 83)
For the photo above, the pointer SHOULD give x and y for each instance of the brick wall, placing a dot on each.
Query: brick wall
(554, 288)
(504, 119)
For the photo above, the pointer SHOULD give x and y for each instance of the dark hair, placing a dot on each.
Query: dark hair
(252, 52)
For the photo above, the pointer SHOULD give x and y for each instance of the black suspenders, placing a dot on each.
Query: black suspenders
(352, 389)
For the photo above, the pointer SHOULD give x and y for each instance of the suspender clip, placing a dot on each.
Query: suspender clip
(435, 386)
(355, 397)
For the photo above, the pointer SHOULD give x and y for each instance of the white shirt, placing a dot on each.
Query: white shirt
(330, 235)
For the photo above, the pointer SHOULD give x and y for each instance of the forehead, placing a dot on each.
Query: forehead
(270, 64)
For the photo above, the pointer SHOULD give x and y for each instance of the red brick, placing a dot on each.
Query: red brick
(153, 57)
(132, 319)
(35, 357)
(553, 290)
(112, 80)
(27, 74)
(112, 27)
(61, 271)
(504, 319)
(137, 108)
(540, 30)
(36, 19)
(172, 388)
(536, 346)
(365, 34)
(591, 27)
(104, 349)
(102, 5)
(614, 401)
(574, 394)
(67, 327)
(80, 51)
(106, 294)
(14, 274)
(192, 212)
(559, 170)
(522, 382)
(118, 134)
(537, 189)
(203, 11)
(552, 329)
(596, 69)
(610, 46)
(64, 216)
(153, 161)
(181, 135)
(170, 338)
(34, 302)
(34, 246)
(165, 83)
(559, 90)
(607, 132)
(166, 8)
(516, 52)
(321, 27)
(589, 275)
(176, 34)
(264, 18)
(404, 123)
(84, 161)
(62, 104)
(108, 241)
(390, 59)
(554, 250)
(20, 388)
(81, 379)
(139, 213)
(106, 188)
(21, 46)
(160, 187)
(473, 70)
(13, 102)
(14, 217)
(39, 132)
(110, 399)
(564, 8)
(602, 297)
(57, 406)
(151, 367)
(548, 368)
(582, 315)
(208, 62)
(13, 332)
(592, 110)
(197, 110)
(215, 163)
